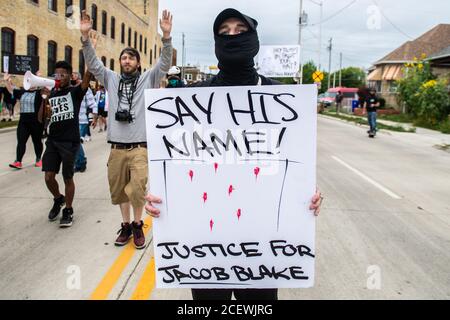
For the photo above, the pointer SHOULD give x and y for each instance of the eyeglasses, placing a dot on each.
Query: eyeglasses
(59, 76)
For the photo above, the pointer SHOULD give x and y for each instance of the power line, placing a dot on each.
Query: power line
(390, 22)
(335, 14)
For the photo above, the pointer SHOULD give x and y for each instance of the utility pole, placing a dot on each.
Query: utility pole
(320, 36)
(330, 49)
(340, 70)
(300, 20)
(183, 53)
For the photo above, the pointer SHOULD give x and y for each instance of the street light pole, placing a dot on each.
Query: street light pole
(300, 40)
(330, 48)
(183, 53)
(320, 35)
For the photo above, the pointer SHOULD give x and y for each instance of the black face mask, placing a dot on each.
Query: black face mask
(235, 55)
(73, 82)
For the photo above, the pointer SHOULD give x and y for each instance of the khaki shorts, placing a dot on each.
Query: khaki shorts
(128, 176)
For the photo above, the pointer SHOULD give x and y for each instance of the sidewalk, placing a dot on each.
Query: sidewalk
(428, 136)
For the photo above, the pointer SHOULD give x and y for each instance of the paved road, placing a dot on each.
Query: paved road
(386, 216)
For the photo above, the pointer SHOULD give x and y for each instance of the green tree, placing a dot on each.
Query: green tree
(352, 77)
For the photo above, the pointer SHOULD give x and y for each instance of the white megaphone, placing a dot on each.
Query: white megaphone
(32, 81)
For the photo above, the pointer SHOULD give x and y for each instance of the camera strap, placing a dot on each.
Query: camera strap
(129, 94)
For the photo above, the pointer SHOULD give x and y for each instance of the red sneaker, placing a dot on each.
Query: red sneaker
(16, 165)
(38, 164)
(138, 235)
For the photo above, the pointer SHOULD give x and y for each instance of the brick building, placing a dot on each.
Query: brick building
(50, 30)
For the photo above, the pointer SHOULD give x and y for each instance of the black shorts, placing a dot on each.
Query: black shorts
(57, 152)
(102, 113)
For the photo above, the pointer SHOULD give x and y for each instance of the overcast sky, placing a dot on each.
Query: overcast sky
(361, 30)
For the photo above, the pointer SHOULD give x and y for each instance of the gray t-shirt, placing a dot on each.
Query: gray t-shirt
(124, 132)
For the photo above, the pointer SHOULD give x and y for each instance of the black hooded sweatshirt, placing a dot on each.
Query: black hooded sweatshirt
(236, 55)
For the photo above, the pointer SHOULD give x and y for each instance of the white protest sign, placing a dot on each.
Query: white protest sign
(236, 170)
(279, 61)
(5, 64)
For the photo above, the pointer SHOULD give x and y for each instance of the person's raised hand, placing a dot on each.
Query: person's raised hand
(166, 24)
(85, 25)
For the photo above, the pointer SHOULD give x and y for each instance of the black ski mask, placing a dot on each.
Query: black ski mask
(236, 53)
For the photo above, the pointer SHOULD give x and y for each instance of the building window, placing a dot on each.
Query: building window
(159, 52)
(140, 43)
(151, 56)
(122, 33)
(53, 5)
(188, 76)
(51, 57)
(104, 61)
(129, 37)
(69, 8)
(393, 86)
(145, 46)
(82, 5)
(35, 1)
(81, 65)
(104, 22)
(8, 42)
(135, 40)
(111, 64)
(113, 28)
(154, 52)
(94, 16)
(32, 46)
(68, 54)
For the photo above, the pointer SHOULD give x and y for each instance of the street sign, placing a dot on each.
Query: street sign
(317, 76)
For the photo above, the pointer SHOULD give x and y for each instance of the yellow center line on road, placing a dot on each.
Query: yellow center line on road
(112, 276)
(146, 284)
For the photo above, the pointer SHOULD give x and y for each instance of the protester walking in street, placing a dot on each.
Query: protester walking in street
(236, 45)
(102, 101)
(127, 164)
(9, 102)
(63, 141)
(87, 104)
(174, 78)
(30, 122)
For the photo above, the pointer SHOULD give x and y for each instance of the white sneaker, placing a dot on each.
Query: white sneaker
(87, 138)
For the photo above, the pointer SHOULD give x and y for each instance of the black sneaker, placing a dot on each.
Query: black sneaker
(67, 218)
(57, 205)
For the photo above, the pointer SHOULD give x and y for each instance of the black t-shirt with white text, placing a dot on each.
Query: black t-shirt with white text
(64, 122)
(370, 101)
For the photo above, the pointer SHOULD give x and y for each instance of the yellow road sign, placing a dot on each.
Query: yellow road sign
(317, 76)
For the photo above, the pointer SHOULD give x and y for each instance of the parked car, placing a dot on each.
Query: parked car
(328, 98)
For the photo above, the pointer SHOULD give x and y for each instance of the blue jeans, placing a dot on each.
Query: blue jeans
(372, 118)
(84, 130)
(80, 159)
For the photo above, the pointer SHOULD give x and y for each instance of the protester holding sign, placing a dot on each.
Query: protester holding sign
(63, 140)
(127, 165)
(30, 123)
(9, 102)
(236, 42)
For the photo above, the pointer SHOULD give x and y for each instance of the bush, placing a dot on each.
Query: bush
(433, 102)
(415, 74)
(445, 126)
(382, 103)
